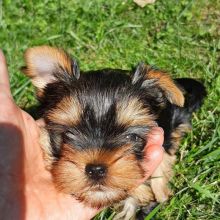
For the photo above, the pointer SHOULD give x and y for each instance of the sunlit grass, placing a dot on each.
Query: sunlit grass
(181, 37)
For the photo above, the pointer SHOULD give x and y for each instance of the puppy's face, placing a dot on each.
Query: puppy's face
(97, 123)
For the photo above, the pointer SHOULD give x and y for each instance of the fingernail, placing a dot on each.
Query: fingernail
(157, 130)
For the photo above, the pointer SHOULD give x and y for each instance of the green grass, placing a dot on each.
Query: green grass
(182, 37)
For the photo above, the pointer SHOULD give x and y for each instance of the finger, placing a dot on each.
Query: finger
(153, 151)
(153, 157)
(4, 78)
(156, 136)
(30, 125)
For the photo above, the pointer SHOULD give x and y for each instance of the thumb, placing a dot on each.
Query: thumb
(4, 78)
(153, 152)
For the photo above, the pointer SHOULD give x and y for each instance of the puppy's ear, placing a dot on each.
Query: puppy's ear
(147, 77)
(46, 64)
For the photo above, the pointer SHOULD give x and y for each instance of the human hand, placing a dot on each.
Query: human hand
(27, 190)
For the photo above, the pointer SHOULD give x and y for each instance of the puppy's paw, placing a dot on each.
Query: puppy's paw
(129, 210)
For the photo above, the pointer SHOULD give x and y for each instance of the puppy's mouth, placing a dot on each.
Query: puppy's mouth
(100, 196)
(98, 188)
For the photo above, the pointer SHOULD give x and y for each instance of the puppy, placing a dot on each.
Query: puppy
(97, 125)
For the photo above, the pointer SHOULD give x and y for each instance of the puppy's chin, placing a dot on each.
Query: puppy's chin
(102, 197)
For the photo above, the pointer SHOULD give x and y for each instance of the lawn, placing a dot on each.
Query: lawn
(181, 37)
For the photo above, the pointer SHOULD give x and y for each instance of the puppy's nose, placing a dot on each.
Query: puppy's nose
(96, 171)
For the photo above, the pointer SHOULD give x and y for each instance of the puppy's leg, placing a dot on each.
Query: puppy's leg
(161, 177)
(164, 172)
(141, 196)
(129, 209)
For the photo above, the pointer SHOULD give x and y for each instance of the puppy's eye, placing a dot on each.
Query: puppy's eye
(133, 138)
(69, 134)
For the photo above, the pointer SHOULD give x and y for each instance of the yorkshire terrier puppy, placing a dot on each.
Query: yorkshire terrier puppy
(97, 124)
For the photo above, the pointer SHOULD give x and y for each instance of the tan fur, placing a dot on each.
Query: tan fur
(42, 61)
(46, 148)
(156, 188)
(140, 196)
(161, 177)
(164, 172)
(143, 194)
(126, 210)
(131, 113)
(123, 168)
(67, 112)
(123, 173)
(173, 93)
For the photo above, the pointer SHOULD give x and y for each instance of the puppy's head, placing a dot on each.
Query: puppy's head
(97, 122)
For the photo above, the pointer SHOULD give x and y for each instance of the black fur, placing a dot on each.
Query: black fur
(98, 92)
(172, 116)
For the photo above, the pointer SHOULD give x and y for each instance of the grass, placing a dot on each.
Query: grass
(182, 37)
